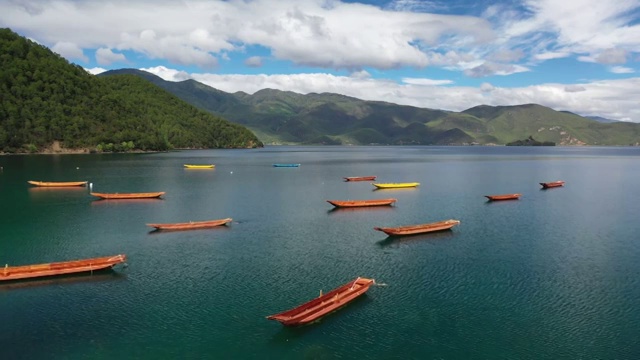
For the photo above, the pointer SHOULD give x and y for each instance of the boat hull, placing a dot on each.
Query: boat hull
(286, 165)
(360, 178)
(503, 197)
(60, 268)
(324, 304)
(362, 203)
(199, 166)
(418, 229)
(193, 225)
(116, 196)
(395, 185)
(57, 183)
(549, 185)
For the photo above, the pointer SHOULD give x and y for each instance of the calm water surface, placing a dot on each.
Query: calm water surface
(554, 275)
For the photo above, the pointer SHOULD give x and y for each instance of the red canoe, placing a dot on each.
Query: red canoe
(128, 195)
(57, 183)
(503, 197)
(418, 229)
(360, 178)
(192, 225)
(552, 184)
(324, 304)
(60, 268)
(359, 203)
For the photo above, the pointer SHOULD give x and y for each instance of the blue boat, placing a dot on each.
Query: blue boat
(286, 165)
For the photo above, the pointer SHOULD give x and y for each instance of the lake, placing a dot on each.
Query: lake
(553, 275)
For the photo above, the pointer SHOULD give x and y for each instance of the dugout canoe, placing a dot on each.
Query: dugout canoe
(60, 268)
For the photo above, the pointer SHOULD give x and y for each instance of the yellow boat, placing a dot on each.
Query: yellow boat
(211, 166)
(395, 185)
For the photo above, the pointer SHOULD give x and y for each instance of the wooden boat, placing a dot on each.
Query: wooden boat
(360, 178)
(552, 184)
(57, 183)
(503, 197)
(192, 225)
(114, 196)
(286, 165)
(60, 268)
(324, 304)
(418, 229)
(395, 185)
(188, 166)
(358, 203)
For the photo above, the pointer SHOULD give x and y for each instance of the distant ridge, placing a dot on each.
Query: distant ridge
(284, 117)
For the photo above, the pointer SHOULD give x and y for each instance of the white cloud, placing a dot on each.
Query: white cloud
(621, 70)
(253, 61)
(612, 99)
(330, 34)
(69, 50)
(168, 74)
(551, 55)
(96, 70)
(425, 82)
(490, 68)
(105, 56)
(612, 56)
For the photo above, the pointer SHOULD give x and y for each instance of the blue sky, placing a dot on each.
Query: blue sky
(576, 55)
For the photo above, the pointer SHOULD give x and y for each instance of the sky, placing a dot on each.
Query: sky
(581, 56)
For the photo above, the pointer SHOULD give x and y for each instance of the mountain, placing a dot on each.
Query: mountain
(601, 119)
(46, 100)
(286, 117)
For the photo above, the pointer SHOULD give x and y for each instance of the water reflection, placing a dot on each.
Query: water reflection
(106, 202)
(337, 210)
(439, 235)
(95, 276)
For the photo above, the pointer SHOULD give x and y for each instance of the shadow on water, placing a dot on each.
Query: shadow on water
(397, 240)
(288, 333)
(96, 276)
(337, 210)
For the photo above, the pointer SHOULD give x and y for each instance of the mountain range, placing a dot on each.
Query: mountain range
(284, 117)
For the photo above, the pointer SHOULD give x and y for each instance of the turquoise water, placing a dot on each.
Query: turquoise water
(553, 275)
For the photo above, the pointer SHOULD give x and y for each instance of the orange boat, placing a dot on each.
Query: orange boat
(60, 268)
(192, 225)
(418, 229)
(57, 184)
(503, 197)
(128, 195)
(359, 203)
(360, 178)
(324, 304)
(552, 184)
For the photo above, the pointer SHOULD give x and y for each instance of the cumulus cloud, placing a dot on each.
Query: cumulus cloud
(105, 56)
(612, 56)
(95, 70)
(612, 99)
(551, 55)
(168, 74)
(574, 88)
(253, 61)
(426, 82)
(69, 50)
(490, 68)
(621, 70)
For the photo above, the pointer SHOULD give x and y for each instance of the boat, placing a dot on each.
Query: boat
(57, 183)
(60, 268)
(192, 225)
(323, 304)
(360, 178)
(286, 165)
(395, 185)
(114, 196)
(552, 184)
(503, 197)
(189, 166)
(359, 203)
(418, 229)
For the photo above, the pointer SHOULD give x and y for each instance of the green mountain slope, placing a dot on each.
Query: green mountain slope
(45, 99)
(290, 118)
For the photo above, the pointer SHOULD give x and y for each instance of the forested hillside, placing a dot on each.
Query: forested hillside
(45, 99)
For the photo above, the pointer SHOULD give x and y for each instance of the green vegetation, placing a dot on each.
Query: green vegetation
(284, 117)
(44, 100)
(530, 141)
